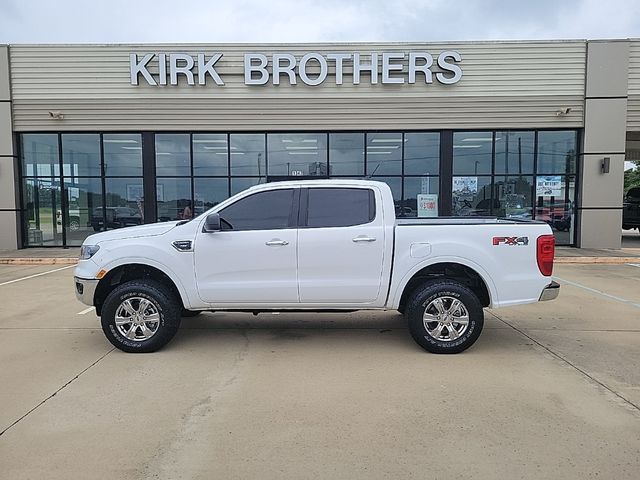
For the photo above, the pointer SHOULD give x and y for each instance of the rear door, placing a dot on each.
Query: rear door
(341, 246)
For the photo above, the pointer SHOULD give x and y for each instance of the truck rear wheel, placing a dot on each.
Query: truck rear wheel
(444, 316)
(140, 316)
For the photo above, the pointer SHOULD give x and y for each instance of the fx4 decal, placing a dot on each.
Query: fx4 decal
(511, 240)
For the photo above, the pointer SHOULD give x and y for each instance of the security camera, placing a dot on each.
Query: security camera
(561, 112)
(57, 115)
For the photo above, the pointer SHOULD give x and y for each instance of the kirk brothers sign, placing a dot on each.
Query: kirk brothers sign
(310, 69)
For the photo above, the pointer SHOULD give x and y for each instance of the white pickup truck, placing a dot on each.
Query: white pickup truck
(314, 246)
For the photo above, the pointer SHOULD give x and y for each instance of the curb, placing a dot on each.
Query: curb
(38, 261)
(600, 260)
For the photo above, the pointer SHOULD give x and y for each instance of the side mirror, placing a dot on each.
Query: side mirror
(212, 223)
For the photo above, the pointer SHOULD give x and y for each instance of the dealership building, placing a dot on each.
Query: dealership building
(96, 137)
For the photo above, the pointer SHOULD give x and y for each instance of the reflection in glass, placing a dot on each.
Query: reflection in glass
(122, 154)
(173, 155)
(81, 155)
(208, 192)
(395, 184)
(248, 155)
(210, 154)
(240, 184)
(514, 152)
(297, 154)
(472, 153)
(42, 202)
(40, 155)
(84, 208)
(472, 196)
(514, 197)
(414, 186)
(421, 153)
(384, 154)
(125, 203)
(557, 152)
(173, 199)
(346, 154)
(556, 207)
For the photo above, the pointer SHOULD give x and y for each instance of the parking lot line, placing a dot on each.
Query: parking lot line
(599, 292)
(86, 310)
(36, 275)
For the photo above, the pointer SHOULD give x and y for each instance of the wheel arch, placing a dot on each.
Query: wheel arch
(471, 276)
(134, 270)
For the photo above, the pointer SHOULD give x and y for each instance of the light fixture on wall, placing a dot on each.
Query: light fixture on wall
(56, 115)
(605, 164)
(563, 112)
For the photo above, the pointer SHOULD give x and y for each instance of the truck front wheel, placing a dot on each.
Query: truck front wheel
(444, 316)
(140, 316)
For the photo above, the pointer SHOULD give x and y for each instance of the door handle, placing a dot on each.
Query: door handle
(275, 243)
(364, 239)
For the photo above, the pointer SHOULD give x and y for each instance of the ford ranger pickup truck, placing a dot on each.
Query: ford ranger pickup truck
(314, 246)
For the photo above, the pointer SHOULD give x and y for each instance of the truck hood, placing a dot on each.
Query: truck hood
(150, 230)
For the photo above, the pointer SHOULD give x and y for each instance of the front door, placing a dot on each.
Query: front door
(341, 245)
(252, 260)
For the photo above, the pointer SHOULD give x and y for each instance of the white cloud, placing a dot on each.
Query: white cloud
(113, 21)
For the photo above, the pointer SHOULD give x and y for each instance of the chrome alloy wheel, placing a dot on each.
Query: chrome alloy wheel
(137, 319)
(445, 319)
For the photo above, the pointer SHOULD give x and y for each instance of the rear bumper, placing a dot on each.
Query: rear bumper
(85, 289)
(550, 292)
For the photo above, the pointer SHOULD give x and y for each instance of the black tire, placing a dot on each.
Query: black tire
(190, 313)
(451, 290)
(164, 302)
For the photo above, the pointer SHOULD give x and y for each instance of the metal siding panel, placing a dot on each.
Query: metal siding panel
(633, 102)
(505, 84)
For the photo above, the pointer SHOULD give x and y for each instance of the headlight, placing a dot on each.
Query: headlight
(88, 251)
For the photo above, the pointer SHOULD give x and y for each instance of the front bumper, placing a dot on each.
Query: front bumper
(85, 289)
(550, 292)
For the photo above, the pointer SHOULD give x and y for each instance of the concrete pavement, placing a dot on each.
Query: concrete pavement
(549, 391)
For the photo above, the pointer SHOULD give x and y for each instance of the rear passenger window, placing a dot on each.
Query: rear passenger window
(261, 211)
(340, 207)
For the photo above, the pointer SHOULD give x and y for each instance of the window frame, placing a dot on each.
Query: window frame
(293, 212)
(303, 218)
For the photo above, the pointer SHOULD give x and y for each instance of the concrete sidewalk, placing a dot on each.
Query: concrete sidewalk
(69, 256)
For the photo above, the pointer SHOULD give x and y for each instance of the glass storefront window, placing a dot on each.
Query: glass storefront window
(210, 154)
(84, 208)
(248, 154)
(240, 184)
(40, 155)
(472, 196)
(297, 154)
(426, 190)
(384, 154)
(124, 198)
(557, 152)
(81, 155)
(514, 153)
(43, 212)
(173, 152)
(555, 205)
(173, 199)
(208, 192)
(514, 197)
(122, 154)
(472, 153)
(346, 154)
(422, 153)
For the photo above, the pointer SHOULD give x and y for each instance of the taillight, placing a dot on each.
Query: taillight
(545, 251)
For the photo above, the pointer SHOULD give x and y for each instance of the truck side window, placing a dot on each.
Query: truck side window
(340, 207)
(260, 211)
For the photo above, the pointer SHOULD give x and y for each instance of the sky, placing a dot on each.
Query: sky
(275, 21)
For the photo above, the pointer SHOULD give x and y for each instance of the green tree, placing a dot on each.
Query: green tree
(632, 177)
